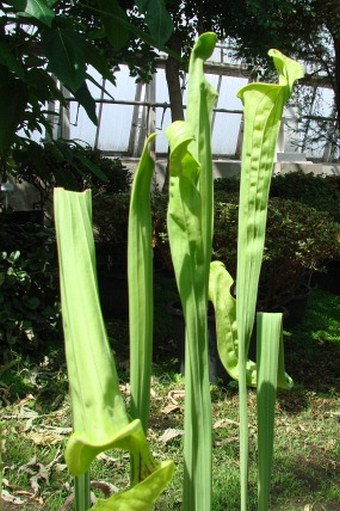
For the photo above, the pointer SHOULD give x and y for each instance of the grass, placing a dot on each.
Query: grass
(35, 418)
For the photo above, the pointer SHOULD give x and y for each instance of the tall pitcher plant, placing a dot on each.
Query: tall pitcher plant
(100, 418)
(190, 220)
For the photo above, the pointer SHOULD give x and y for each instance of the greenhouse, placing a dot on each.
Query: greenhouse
(170, 255)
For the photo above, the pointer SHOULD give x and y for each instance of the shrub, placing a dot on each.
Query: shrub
(29, 289)
(298, 241)
(72, 166)
(319, 192)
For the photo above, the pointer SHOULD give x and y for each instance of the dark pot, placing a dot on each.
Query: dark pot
(297, 307)
(113, 294)
(217, 373)
(330, 279)
(35, 216)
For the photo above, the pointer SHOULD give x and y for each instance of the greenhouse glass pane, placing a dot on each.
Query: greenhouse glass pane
(115, 128)
(225, 134)
(81, 128)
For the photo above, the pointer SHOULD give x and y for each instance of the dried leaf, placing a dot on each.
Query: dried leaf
(175, 396)
(7, 497)
(171, 408)
(169, 434)
(45, 437)
(43, 474)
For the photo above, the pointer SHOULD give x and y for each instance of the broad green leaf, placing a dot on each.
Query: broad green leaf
(97, 171)
(220, 284)
(9, 59)
(64, 49)
(189, 221)
(100, 420)
(115, 23)
(157, 19)
(263, 106)
(87, 102)
(268, 335)
(288, 70)
(140, 278)
(199, 114)
(95, 58)
(142, 496)
(40, 10)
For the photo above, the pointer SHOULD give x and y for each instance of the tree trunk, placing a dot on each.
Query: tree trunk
(172, 70)
(337, 79)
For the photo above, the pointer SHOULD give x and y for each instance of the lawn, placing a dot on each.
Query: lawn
(35, 417)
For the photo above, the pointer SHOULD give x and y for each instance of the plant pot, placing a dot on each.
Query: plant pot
(330, 279)
(35, 216)
(297, 307)
(217, 373)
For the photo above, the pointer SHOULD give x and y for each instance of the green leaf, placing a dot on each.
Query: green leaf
(263, 106)
(100, 420)
(140, 278)
(220, 284)
(142, 496)
(83, 96)
(157, 19)
(10, 60)
(97, 171)
(189, 221)
(115, 23)
(64, 50)
(96, 59)
(269, 334)
(40, 10)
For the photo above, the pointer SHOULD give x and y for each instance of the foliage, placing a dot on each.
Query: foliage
(70, 165)
(40, 39)
(300, 240)
(30, 309)
(110, 217)
(35, 417)
(189, 224)
(100, 419)
(308, 30)
(317, 191)
(106, 424)
(294, 247)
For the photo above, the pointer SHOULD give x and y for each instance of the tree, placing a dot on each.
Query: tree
(189, 18)
(42, 42)
(305, 29)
